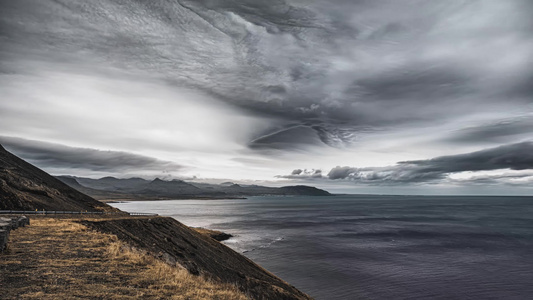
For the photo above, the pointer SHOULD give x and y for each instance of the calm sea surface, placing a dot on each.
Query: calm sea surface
(377, 247)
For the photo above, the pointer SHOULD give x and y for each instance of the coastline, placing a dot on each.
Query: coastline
(214, 234)
(125, 200)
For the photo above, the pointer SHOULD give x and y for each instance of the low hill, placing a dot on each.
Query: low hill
(160, 187)
(303, 190)
(26, 187)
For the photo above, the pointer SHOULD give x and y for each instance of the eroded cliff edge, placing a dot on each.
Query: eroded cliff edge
(178, 244)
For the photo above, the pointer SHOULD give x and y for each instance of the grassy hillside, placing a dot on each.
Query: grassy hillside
(40, 264)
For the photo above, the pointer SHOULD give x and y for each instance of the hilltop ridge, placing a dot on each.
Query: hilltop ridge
(26, 187)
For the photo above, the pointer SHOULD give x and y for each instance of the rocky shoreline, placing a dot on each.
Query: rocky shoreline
(214, 234)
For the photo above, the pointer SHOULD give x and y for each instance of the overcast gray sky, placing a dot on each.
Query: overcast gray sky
(380, 96)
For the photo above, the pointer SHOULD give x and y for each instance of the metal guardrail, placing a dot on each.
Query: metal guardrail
(143, 214)
(59, 212)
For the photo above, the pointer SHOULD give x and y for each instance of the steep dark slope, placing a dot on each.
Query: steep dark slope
(26, 187)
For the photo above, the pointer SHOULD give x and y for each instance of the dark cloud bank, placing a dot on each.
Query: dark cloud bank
(55, 156)
(514, 157)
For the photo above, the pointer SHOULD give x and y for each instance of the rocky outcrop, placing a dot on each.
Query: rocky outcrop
(214, 234)
(8, 224)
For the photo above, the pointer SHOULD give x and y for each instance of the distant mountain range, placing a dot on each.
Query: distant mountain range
(110, 188)
(26, 187)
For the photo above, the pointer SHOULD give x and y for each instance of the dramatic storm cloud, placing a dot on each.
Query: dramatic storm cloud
(63, 159)
(247, 89)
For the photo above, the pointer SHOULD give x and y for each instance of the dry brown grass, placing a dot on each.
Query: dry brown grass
(205, 231)
(61, 259)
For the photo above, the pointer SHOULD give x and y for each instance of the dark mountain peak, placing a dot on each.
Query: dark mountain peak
(172, 188)
(175, 182)
(109, 178)
(230, 184)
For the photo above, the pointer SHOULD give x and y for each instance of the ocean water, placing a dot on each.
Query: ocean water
(377, 247)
